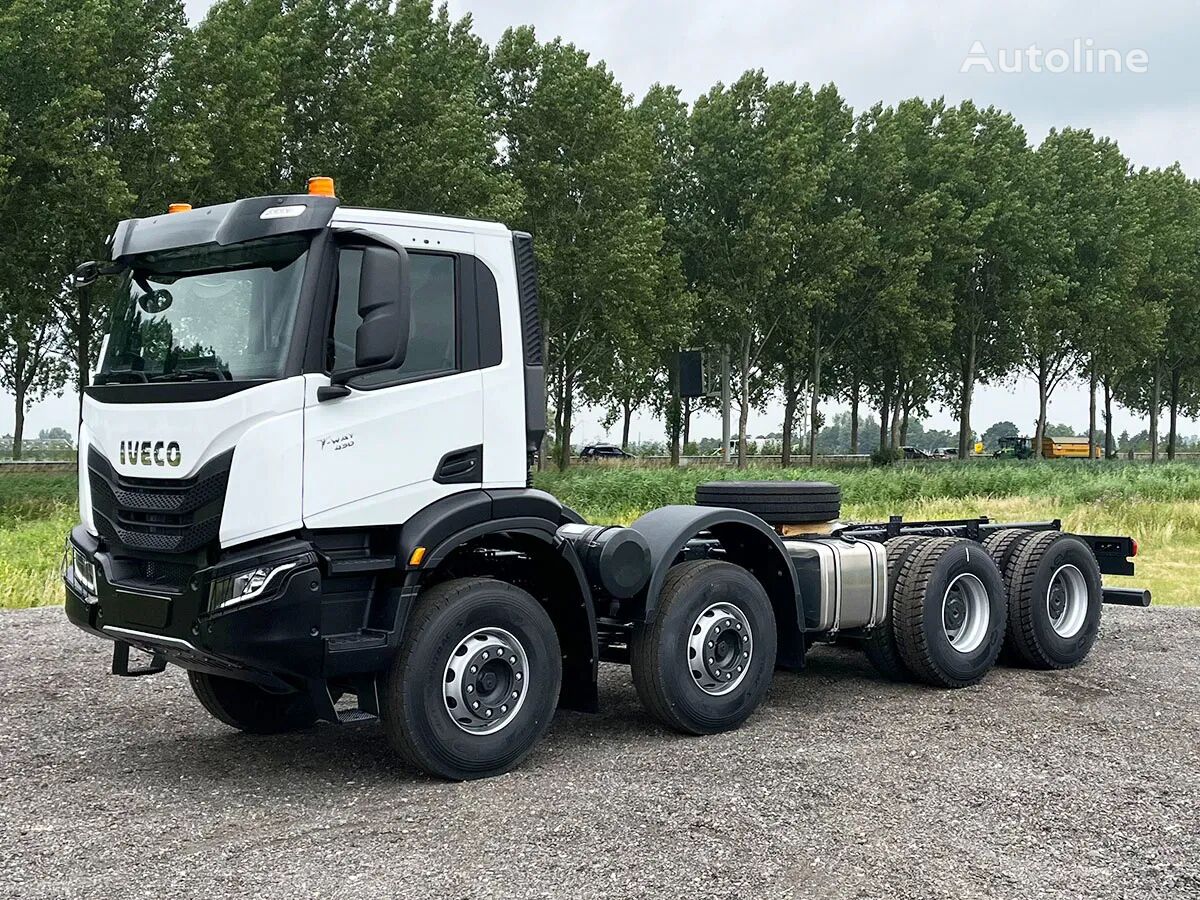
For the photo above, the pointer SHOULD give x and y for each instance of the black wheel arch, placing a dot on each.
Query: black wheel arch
(749, 542)
(525, 520)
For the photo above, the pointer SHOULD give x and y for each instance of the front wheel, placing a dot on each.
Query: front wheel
(250, 708)
(475, 682)
(706, 660)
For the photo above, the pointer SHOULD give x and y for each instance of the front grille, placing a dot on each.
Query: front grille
(158, 514)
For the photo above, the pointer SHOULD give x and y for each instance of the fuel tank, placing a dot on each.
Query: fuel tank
(843, 583)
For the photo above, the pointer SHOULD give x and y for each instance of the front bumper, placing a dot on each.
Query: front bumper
(274, 640)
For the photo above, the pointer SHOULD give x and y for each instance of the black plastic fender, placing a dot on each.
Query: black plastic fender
(530, 518)
(749, 542)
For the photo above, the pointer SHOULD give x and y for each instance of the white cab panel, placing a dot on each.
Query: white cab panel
(264, 424)
(370, 458)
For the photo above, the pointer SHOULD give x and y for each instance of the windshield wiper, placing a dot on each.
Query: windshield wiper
(210, 374)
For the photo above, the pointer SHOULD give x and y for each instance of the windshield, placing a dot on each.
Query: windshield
(206, 313)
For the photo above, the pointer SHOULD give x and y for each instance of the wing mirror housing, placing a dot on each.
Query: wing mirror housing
(381, 341)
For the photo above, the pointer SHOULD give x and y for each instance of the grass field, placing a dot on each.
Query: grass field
(1159, 505)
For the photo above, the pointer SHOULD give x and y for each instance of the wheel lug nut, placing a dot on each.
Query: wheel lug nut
(514, 695)
(470, 688)
(519, 676)
(745, 656)
(485, 655)
(475, 705)
(504, 709)
(711, 660)
(474, 668)
(487, 713)
(512, 659)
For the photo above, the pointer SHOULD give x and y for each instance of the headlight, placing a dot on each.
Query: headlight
(83, 570)
(246, 585)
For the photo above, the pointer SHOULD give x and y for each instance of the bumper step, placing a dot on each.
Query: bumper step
(120, 662)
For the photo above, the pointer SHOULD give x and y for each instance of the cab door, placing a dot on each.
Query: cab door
(403, 437)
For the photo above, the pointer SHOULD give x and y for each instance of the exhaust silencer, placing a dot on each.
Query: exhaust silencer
(1126, 596)
(616, 560)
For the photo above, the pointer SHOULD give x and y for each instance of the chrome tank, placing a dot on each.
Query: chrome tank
(843, 583)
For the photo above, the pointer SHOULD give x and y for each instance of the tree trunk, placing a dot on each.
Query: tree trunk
(627, 412)
(854, 399)
(744, 395)
(894, 429)
(19, 419)
(1155, 405)
(790, 400)
(674, 411)
(1043, 392)
(904, 422)
(687, 421)
(885, 413)
(1092, 412)
(725, 392)
(966, 391)
(1110, 443)
(564, 435)
(1174, 415)
(814, 422)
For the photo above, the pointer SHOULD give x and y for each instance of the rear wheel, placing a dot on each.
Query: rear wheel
(1055, 599)
(880, 644)
(949, 612)
(475, 682)
(250, 708)
(706, 660)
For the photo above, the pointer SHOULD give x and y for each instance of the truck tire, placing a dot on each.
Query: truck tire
(880, 644)
(1054, 602)
(950, 612)
(714, 606)
(250, 708)
(775, 502)
(475, 682)
(1003, 546)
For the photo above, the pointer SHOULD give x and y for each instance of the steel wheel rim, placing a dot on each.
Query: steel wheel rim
(485, 681)
(1067, 600)
(719, 649)
(966, 613)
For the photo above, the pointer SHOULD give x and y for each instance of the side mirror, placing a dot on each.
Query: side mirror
(85, 274)
(381, 340)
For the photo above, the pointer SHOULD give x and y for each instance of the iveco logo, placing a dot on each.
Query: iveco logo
(150, 453)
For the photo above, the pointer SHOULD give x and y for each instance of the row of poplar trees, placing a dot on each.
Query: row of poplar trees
(892, 258)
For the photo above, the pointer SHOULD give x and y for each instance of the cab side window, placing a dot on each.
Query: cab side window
(432, 337)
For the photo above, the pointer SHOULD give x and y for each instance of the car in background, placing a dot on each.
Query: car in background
(914, 453)
(603, 451)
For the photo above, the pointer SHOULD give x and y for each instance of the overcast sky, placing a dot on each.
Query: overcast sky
(879, 51)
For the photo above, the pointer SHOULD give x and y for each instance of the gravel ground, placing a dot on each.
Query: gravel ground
(1082, 784)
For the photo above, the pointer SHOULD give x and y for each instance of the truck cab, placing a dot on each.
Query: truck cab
(304, 478)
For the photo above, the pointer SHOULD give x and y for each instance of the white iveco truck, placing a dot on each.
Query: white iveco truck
(303, 477)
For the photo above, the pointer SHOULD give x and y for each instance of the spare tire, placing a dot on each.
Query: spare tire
(775, 502)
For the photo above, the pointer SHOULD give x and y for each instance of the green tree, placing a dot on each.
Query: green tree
(663, 120)
(572, 145)
(61, 181)
(979, 157)
(1168, 287)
